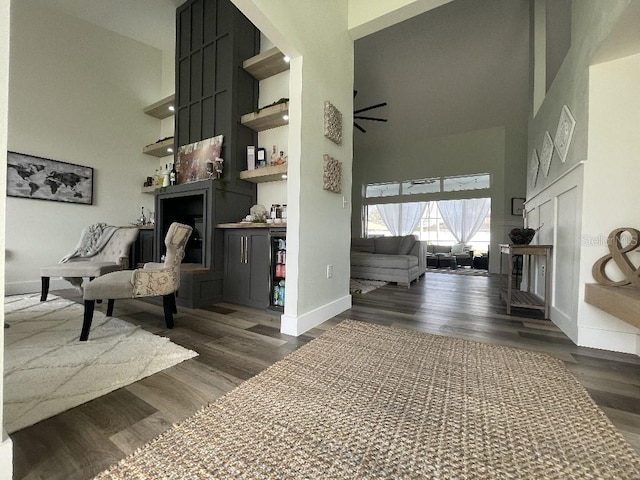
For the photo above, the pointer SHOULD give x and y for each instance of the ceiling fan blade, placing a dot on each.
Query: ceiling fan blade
(383, 104)
(359, 127)
(370, 118)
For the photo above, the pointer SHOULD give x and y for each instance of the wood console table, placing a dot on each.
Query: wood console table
(516, 297)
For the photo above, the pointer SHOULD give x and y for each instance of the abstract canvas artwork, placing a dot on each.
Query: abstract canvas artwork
(566, 126)
(534, 167)
(200, 160)
(546, 154)
(332, 177)
(43, 179)
(332, 123)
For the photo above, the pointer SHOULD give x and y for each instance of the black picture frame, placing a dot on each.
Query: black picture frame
(40, 178)
(517, 206)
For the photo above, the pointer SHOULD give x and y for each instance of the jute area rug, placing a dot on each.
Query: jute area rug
(360, 285)
(48, 370)
(370, 402)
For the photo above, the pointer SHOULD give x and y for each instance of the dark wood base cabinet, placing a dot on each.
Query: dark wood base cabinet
(142, 248)
(247, 267)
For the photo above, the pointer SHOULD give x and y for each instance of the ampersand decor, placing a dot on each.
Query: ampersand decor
(618, 255)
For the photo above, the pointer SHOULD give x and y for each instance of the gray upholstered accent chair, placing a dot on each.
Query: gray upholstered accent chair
(154, 279)
(113, 257)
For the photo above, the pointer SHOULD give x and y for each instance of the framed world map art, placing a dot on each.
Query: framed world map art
(39, 178)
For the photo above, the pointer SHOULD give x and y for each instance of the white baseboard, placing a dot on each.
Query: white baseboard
(615, 341)
(18, 288)
(298, 325)
(6, 457)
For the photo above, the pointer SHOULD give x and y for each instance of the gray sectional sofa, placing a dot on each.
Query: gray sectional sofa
(390, 259)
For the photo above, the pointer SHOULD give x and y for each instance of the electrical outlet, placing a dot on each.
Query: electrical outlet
(543, 271)
(344, 202)
(329, 271)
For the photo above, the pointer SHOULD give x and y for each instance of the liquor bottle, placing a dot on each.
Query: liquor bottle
(165, 177)
(173, 175)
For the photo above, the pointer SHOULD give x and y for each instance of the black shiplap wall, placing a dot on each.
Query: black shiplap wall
(213, 38)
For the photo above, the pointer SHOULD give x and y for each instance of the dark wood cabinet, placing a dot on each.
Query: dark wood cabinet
(247, 267)
(142, 249)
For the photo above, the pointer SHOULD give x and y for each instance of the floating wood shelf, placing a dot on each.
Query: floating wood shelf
(266, 64)
(161, 109)
(265, 174)
(267, 118)
(159, 149)
(621, 302)
(151, 189)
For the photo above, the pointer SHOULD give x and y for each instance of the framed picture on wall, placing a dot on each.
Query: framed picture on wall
(200, 160)
(517, 206)
(39, 178)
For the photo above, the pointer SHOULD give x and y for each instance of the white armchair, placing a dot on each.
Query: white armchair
(155, 279)
(114, 256)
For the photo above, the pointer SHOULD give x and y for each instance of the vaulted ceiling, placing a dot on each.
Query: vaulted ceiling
(462, 65)
(457, 68)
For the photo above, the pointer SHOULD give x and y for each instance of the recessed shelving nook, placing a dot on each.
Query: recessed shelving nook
(161, 109)
(266, 64)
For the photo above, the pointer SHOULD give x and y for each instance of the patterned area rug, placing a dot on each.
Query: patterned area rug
(47, 370)
(475, 272)
(359, 285)
(366, 401)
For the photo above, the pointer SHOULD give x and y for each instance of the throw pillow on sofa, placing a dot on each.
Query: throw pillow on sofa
(406, 245)
(458, 249)
(387, 245)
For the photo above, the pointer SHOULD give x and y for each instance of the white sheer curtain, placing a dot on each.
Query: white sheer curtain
(464, 217)
(401, 218)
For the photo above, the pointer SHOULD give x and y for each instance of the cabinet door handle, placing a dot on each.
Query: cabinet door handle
(246, 249)
(241, 249)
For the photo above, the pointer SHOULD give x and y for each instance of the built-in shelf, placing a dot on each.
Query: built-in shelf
(265, 174)
(621, 302)
(266, 64)
(160, 149)
(162, 108)
(267, 118)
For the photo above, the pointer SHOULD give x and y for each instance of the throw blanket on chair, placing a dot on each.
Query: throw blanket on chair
(92, 240)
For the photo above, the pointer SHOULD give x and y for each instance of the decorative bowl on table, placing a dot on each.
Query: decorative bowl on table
(522, 236)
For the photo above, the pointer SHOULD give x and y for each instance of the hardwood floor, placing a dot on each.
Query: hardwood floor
(235, 343)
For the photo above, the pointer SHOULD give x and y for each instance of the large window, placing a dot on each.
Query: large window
(432, 227)
(477, 181)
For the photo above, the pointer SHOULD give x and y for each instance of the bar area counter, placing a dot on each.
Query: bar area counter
(251, 225)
